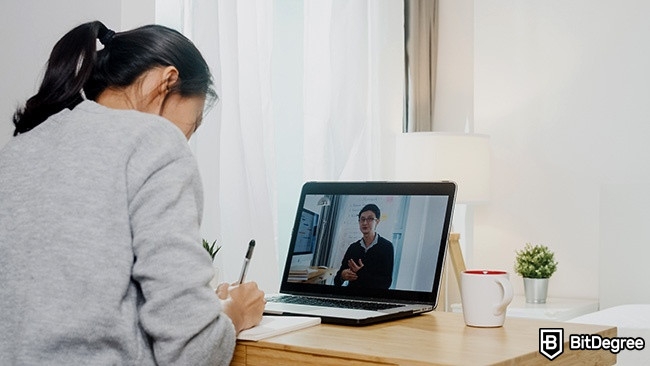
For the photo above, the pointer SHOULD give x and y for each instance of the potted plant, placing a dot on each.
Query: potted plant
(536, 264)
(212, 250)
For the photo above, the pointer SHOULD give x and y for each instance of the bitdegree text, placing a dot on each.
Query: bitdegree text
(614, 345)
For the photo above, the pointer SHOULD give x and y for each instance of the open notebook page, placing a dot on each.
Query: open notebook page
(273, 325)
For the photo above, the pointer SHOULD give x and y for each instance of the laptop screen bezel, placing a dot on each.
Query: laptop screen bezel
(446, 188)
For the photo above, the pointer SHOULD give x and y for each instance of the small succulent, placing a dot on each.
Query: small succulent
(211, 248)
(535, 261)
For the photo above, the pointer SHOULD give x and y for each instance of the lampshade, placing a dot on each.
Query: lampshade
(436, 156)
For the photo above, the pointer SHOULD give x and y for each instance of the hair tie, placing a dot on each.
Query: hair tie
(107, 37)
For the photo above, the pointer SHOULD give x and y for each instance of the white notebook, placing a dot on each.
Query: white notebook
(272, 325)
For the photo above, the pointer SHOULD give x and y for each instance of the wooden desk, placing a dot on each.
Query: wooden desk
(436, 338)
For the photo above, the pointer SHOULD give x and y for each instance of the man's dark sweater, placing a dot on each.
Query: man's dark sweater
(377, 271)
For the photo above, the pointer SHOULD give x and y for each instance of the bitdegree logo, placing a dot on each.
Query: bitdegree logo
(614, 345)
(551, 341)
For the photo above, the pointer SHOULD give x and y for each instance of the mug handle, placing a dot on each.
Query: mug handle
(507, 295)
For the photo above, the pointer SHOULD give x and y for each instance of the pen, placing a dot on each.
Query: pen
(249, 254)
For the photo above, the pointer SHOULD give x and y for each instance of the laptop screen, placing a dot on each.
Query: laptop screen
(381, 240)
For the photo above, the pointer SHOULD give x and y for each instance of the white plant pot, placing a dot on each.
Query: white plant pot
(215, 281)
(536, 290)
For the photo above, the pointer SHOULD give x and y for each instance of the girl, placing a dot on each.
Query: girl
(100, 207)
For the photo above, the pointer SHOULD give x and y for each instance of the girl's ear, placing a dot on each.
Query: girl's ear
(169, 77)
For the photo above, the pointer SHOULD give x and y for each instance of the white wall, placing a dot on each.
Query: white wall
(562, 89)
(29, 30)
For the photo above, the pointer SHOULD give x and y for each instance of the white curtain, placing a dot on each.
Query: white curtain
(338, 72)
(352, 89)
(234, 146)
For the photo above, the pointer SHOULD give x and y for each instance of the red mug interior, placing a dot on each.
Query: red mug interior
(485, 272)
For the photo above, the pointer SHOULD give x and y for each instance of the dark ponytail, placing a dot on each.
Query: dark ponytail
(69, 66)
(75, 68)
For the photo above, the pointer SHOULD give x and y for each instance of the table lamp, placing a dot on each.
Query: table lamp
(434, 156)
(458, 157)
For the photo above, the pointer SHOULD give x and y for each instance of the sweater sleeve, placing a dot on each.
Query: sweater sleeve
(179, 312)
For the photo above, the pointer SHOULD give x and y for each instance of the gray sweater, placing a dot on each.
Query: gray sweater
(100, 255)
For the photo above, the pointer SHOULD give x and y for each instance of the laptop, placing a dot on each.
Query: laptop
(365, 252)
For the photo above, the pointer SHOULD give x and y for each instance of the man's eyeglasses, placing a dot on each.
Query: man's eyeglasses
(367, 219)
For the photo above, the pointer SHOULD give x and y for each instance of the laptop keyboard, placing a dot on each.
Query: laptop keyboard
(334, 303)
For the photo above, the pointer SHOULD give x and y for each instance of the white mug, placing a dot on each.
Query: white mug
(485, 295)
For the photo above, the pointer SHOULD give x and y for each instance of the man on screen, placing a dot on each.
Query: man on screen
(368, 262)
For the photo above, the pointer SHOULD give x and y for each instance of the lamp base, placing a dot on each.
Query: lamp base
(453, 267)
(456, 255)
